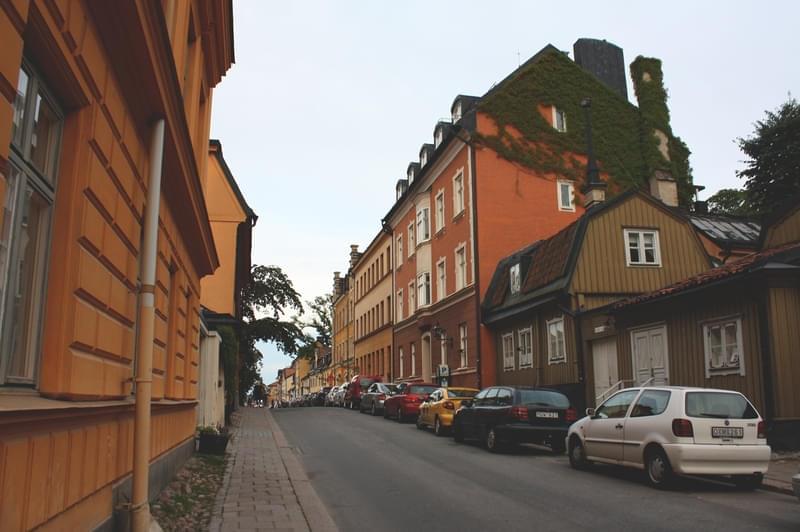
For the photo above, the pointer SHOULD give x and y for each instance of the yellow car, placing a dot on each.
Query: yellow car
(437, 411)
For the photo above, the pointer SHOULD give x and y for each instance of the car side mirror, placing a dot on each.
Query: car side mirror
(590, 412)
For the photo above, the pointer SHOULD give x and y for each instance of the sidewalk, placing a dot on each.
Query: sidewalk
(782, 468)
(265, 486)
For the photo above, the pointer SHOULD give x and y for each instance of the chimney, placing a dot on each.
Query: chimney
(354, 255)
(701, 207)
(337, 284)
(664, 187)
(605, 61)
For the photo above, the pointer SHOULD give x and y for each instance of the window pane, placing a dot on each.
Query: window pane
(44, 137)
(19, 108)
(6, 219)
(566, 196)
(29, 274)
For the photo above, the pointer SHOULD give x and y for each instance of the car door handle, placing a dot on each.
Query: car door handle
(618, 426)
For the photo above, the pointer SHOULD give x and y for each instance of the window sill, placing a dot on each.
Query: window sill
(459, 215)
(562, 209)
(527, 366)
(721, 373)
(556, 362)
(637, 265)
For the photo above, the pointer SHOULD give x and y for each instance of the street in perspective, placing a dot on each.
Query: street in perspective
(344, 266)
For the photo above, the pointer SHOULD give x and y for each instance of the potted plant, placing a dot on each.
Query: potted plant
(213, 440)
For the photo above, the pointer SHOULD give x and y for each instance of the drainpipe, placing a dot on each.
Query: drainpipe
(140, 508)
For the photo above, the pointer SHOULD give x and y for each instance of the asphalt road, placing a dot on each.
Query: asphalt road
(378, 475)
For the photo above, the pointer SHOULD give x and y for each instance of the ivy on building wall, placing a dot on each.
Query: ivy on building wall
(229, 357)
(624, 143)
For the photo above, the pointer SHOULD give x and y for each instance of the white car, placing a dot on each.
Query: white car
(674, 430)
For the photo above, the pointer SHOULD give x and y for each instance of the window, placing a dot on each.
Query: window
(559, 120)
(400, 250)
(423, 158)
(443, 345)
(566, 196)
(400, 370)
(458, 193)
(525, 347)
(462, 342)
(556, 348)
(423, 225)
(438, 137)
(25, 226)
(461, 267)
(411, 242)
(723, 347)
(441, 280)
(440, 211)
(514, 279)
(411, 175)
(617, 405)
(508, 352)
(424, 289)
(504, 397)
(412, 302)
(642, 248)
(722, 405)
(413, 360)
(456, 112)
(400, 305)
(651, 403)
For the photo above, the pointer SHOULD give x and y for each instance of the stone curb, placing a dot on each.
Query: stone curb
(316, 514)
(777, 487)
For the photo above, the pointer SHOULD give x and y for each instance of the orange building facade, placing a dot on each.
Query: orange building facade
(83, 84)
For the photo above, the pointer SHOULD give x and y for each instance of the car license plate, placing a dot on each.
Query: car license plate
(549, 415)
(727, 432)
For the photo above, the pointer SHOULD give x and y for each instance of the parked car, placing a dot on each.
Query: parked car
(372, 400)
(358, 384)
(438, 410)
(674, 430)
(318, 398)
(502, 415)
(338, 399)
(330, 397)
(405, 403)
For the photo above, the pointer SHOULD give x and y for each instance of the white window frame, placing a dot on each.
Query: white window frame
(561, 207)
(509, 360)
(556, 113)
(456, 113)
(458, 193)
(462, 342)
(461, 272)
(515, 282)
(441, 279)
(400, 358)
(440, 211)
(424, 289)
(412, 298)
(423, 224)
(411, 239)
(552, 356)
(438, 137)
(423, 158)
(400, 305)
(656, 246)
(410, 176)
(525, 355)
(399, 250)
(413, 360)
(725, 370)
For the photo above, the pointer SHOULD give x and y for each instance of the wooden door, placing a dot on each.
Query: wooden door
(604, 357)
(650, 357)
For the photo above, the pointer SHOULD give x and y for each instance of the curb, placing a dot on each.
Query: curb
(314, 510)
(776, 487)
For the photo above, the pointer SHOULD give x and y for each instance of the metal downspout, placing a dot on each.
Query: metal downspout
(140, 508)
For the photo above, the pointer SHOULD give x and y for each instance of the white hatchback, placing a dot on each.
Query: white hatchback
(668, 430)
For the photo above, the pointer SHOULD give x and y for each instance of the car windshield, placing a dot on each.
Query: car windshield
(461, 393)
(543, 398)
(366, 382)
(388, 388)
(422, 390)
(719, 405)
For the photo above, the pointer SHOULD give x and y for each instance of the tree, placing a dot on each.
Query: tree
(266, 300)
(321, 324)
(772, 170)
(730, 201)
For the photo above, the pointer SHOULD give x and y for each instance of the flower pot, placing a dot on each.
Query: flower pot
(213, 443)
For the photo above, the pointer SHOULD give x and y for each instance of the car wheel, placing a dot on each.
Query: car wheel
(374, 410)
(458, 432)
(659, 472)
(490, 440)
(748, 482)
(437, 427)
(420, 426)
(577, 454)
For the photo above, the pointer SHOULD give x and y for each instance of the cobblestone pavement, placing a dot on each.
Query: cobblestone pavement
(265, 488)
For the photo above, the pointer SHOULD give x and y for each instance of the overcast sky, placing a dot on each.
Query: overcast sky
(328, 102)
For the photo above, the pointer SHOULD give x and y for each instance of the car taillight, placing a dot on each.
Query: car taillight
(571, 415)
(519, 412)
(410, 399)
(449, 405)
(682, 428)
(762, 429)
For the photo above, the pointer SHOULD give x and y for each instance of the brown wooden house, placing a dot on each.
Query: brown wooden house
(733, 327)
(549, 303)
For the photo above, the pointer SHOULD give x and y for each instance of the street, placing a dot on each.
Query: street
(374, 474)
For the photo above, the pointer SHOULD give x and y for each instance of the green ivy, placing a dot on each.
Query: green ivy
(624, 144)
(229, 355)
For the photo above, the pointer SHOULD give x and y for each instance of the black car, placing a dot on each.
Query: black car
(501, 415)
(372, 399)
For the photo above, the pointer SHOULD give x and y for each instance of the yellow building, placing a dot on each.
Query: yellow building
(342, 333)
(372, 295)
(103, 142)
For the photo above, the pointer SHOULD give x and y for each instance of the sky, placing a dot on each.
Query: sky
(329, 101)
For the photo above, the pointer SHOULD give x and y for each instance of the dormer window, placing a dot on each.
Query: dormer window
(514, 279)
(456, 112)
(437, 138)
(410, 175)
(423, 158)
(559, 120)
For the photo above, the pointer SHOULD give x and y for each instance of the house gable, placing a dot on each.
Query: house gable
(786, 229)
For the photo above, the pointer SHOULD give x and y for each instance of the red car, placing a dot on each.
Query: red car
(358, 384)
(405, 404)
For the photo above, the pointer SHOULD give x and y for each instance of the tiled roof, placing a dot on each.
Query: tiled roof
(550, 261)
(787, 253)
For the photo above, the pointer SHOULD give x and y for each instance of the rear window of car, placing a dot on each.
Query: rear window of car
(461, 393)
(719, 405)
(389, 388)
(422, 390)
(366, 382)
(543, 398)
